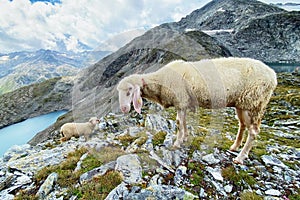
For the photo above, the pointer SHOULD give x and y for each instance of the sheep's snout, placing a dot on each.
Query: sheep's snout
(125, 108)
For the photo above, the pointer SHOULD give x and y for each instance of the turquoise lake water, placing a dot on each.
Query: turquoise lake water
(21, 133)
(284, 67)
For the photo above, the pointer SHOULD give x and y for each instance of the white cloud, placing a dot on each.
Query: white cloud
(27, 26)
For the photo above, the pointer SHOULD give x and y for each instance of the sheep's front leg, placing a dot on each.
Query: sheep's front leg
(182, 129)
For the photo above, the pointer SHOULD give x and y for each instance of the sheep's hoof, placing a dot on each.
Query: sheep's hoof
(173, 148)
(185, 139)
(238, 161)
(233, 148)
(176, 144)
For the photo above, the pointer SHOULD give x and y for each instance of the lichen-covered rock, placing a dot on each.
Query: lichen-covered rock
(47, 186)
(158, 123)
(5, 179)
(161, 192)
(99, 171)
(6, 196)
(37, 158)
(180, 172)
(78, 166)
(273, 192)
(270, 160)
(16, 151)
(130, 167)
(216, 173)
(210, 159)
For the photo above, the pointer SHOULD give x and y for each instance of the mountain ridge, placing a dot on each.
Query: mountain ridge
(18, 69)
(233, 14)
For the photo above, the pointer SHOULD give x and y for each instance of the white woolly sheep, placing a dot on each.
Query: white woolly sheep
(243, 83)
(69, 130)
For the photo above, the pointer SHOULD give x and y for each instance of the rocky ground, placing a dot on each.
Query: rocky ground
(131, 157)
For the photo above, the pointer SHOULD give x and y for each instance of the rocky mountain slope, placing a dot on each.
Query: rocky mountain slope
(24, 68)
(131, 157)
(36, 99)
(226, 14)
(249, 29)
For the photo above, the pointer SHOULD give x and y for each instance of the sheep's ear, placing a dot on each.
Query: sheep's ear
(137, 99)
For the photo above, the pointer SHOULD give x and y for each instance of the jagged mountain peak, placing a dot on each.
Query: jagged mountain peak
(226, 14)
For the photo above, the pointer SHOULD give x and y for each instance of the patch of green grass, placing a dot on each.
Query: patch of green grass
(291, 165)
(141, 140)
(195, 144)
(229, 173)
(197, 174)
(49, 145)
(44, 87)
(99, 187)
(126, 139)
(172, 113)
(158, 138)
(223, 143)
(196, 177)
(250, 196)
(25, 196)
(286, 94)
(267, 136)
(295, 196)
(66, 175)
(105, 155)
(259, 148)
(90, 162)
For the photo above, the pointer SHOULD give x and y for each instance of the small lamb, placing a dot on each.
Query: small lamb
(244, 83)
(69, 130)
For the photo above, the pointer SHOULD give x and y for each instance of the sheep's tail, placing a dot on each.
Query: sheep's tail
(63, 139)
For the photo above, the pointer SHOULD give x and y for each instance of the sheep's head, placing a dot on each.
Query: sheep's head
(94, 120)
(129, 92)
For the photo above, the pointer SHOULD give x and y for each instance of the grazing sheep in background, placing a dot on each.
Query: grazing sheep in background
(69, 130)
(243, 83)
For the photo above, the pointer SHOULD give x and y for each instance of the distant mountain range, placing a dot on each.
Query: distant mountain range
(289, 6)
(23, 68)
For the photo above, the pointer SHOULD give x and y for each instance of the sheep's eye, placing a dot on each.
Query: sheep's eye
(130, 88)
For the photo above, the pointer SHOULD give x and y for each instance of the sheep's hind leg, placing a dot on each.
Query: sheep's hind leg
(243, 120)
(182, 130)
(253, 132)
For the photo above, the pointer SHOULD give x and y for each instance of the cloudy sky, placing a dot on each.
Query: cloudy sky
(81, 24)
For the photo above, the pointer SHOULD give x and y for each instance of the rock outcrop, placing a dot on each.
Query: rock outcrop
(249, 29)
